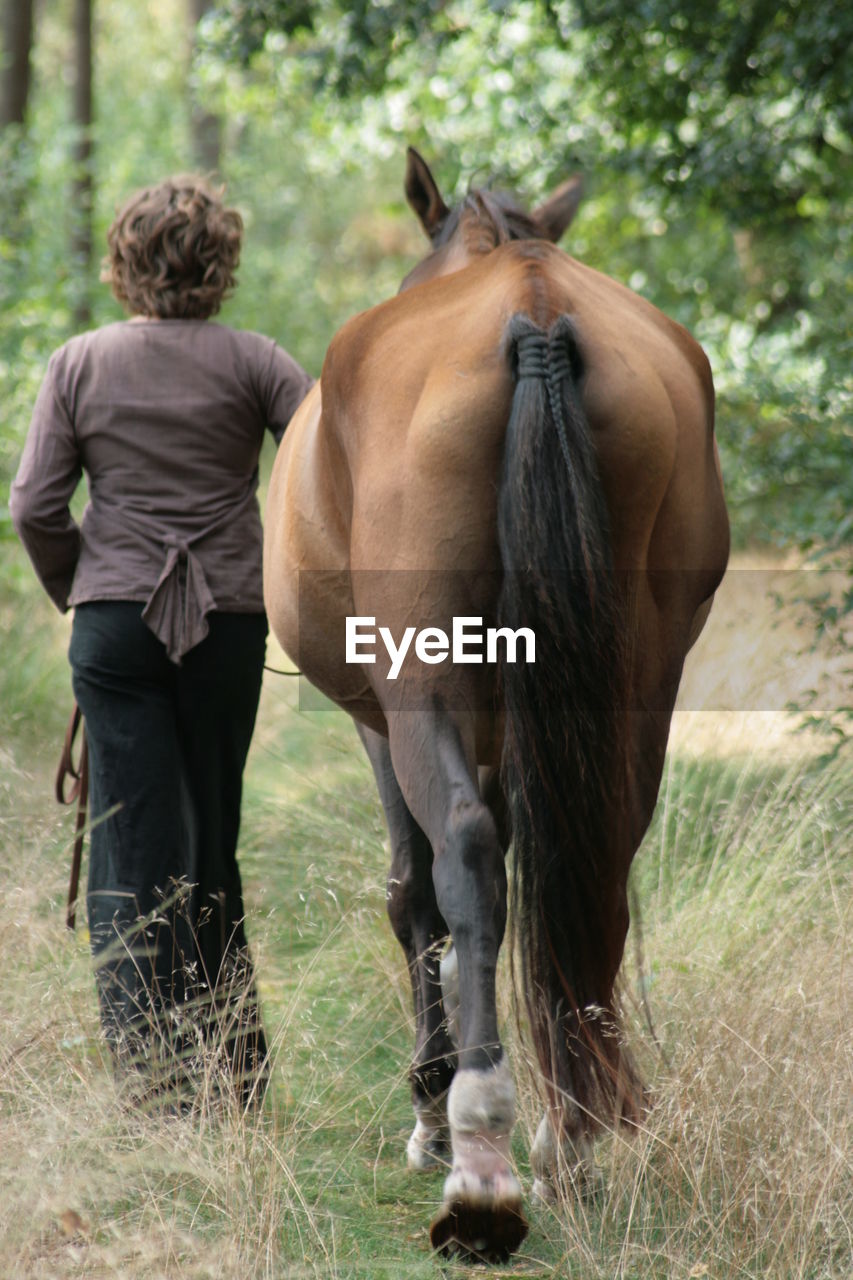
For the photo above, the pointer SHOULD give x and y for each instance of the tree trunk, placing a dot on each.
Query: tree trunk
(15, 158)
(17, 42)
(82, 188)
(205, 127)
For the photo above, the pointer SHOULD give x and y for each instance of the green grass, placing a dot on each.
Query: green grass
(743, 1169)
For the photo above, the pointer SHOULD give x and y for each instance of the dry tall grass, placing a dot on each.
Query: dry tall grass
(743, 1168)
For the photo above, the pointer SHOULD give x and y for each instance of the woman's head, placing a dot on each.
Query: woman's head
(174, 249)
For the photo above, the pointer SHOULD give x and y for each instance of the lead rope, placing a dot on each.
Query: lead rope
(79, 791)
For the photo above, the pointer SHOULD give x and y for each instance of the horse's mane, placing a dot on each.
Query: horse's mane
(508, 218)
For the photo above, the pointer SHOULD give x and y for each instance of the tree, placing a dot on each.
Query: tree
(17, 43)
(82, 180)
(17, 38)
(205, 126)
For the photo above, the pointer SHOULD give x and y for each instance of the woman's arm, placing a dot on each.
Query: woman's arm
(49, 473)
(283, 386)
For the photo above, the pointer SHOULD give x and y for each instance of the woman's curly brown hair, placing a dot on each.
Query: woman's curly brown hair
(174, 249)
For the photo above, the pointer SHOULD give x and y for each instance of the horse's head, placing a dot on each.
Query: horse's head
(481, 222)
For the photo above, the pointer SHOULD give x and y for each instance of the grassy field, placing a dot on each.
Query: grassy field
(743, 1169)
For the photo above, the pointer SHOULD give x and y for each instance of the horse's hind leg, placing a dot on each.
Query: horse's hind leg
(421, 931)
(481, 1216)
(490, 790)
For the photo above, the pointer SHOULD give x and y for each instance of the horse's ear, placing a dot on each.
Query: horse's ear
(558, 210)
(423, 194)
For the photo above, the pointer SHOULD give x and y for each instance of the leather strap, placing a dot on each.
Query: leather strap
(79, 791)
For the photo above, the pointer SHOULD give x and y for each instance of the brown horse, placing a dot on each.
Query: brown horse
(513, 439)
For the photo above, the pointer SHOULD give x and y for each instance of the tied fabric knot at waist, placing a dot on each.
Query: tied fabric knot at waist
(177, 609)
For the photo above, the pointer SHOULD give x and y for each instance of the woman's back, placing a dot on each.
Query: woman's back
(168, 417)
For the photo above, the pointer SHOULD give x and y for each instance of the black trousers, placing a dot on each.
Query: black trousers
(167, 748)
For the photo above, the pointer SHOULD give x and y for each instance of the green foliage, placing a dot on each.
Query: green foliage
(746, 110)
(347, 47)
(750, 100)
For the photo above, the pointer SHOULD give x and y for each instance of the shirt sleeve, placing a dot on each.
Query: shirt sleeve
(284, 384)
(49, 473)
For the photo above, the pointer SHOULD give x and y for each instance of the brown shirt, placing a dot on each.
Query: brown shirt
(166, 418)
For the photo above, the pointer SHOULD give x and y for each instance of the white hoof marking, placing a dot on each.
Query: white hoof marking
(429, 1146)
(481, 1110)
(543, 1192)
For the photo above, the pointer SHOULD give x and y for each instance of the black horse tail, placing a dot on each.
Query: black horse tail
(564, 769)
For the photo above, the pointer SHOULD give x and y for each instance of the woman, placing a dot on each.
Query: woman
(165, 413)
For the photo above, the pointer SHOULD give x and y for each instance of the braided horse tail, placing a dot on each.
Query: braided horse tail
(565, 746)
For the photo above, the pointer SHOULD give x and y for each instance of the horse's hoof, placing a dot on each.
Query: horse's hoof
(579, 1185)
(562, 1170)
(481, 1217)
(478, 1233)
